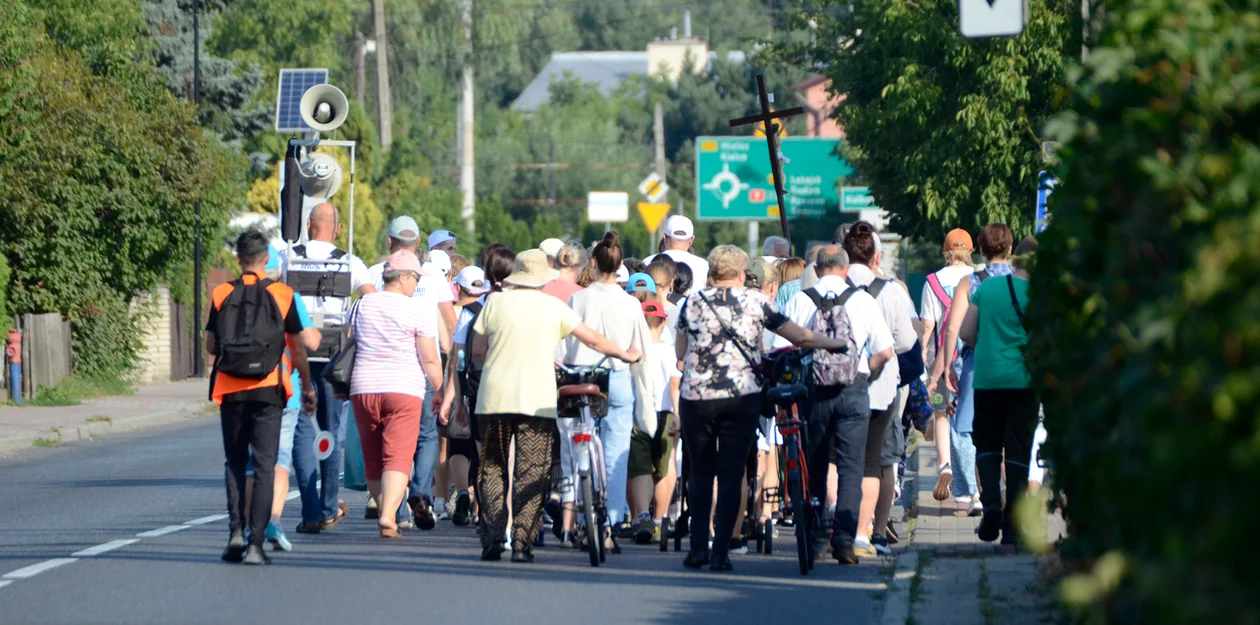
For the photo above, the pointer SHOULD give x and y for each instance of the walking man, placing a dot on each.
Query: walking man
(251, 320)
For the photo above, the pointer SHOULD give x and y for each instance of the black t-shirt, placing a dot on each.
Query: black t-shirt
(268, 394)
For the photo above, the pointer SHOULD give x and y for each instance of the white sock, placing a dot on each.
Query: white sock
(862, 538)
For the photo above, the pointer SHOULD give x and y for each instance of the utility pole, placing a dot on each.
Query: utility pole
(199, 364)
(551, 175)
(658, 144)
(384, 111)
(360, 67)
(467, 162)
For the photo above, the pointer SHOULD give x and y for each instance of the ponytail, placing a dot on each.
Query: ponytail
(608, 253)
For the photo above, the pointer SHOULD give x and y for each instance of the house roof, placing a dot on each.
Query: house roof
(607, 69)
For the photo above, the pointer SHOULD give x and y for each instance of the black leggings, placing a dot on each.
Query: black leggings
(1006, 420)
(718, 434)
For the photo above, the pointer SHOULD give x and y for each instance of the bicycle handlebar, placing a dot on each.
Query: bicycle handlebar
(580, 369)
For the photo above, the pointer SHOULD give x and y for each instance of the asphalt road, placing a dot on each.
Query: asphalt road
(90, 498)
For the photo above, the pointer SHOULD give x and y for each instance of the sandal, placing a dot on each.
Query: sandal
(390, 532)
(342, 511)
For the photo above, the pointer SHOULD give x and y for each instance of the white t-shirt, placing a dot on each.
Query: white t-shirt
(333, 308)
(699, 267)
(930, 308)
(431, 288)
(661, 357)
(870, 331)
(463, 322)
(895, 306)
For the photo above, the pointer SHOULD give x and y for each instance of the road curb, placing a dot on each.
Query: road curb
(896, 609)
(90, 431)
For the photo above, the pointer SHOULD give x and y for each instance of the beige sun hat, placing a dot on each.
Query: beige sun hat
(532, 270)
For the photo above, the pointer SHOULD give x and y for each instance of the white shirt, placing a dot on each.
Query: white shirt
(661, 358)
(893, 304)
(463, 322)
(333, 308)
(431, 288)
(931, 308)
(870, 331)
(699, 267)
(613, 313)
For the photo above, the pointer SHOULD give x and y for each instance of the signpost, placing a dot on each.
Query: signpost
(607, 206)
(1045, 186)
(734, 179)
(854, 199)
(978, 19)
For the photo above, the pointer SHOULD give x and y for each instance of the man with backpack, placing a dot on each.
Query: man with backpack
(839, 406)
(251, 321)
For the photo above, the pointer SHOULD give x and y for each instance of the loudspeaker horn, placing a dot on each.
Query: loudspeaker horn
(324, 108)
(319, 175)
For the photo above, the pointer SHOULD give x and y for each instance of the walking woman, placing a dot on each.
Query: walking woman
(718, 331)
(610, 311)
(517, 334)
(396, 351)
(1006, 405)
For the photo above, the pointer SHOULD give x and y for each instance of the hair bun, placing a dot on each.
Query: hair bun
(863, 228)
(611, 238)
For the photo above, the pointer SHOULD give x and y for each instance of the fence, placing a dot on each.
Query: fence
(183, 341)
(45, 351)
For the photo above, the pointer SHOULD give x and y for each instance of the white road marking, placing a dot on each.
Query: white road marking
(293, 494)
(206, 520)
(105, 547)
(5, 583)
(162, 531)
(35, 569)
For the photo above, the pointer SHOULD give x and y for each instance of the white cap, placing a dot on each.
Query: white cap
(551, 247)
(623, 275)
(473, 280)
(439, 237)
(679, 227)
(440, 261)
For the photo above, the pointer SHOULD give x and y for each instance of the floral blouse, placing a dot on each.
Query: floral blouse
(714, 367)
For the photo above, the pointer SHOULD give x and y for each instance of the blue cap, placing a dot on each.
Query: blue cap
(641, 282)
(273, 257)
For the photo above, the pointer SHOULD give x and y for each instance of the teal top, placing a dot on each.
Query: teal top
(1001, 336)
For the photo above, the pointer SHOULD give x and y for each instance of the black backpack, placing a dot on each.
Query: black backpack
(249, 332)
(470, 377)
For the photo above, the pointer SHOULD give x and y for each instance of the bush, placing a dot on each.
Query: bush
(1143, 311)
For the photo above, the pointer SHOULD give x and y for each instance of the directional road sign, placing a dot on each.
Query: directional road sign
(856, 199)
(607, 206)
(978, 19)
(653, 188)
(733, 178)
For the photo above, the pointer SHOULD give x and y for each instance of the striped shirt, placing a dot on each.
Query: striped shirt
(385, 328)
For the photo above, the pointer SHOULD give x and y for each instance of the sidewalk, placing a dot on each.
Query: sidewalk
(23, 428)
(947, 576)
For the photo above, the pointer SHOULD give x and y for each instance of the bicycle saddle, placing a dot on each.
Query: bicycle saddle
(572, 390)
(788, 393)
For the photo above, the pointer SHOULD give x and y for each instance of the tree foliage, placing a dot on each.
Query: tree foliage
(943, 129)
(1143, 310)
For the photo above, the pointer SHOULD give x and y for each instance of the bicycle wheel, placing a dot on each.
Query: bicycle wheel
(665, 535)
(768, 530)
(594, 541)
(796, 491)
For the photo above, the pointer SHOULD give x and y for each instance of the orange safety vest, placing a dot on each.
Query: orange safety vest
(224, 384)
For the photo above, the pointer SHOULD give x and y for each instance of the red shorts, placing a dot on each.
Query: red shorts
(389, 425)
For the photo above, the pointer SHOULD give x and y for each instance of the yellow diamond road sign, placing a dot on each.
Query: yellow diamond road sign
(653, 213)
(653, 188)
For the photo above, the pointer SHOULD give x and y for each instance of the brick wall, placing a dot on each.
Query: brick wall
(153, 311)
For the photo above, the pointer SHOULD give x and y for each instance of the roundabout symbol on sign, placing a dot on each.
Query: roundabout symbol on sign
(726, 178)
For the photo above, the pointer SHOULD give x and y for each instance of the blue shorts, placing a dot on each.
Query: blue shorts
(284, 458)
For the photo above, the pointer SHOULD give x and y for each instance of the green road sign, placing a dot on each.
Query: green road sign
(853, 199)
(733, 179)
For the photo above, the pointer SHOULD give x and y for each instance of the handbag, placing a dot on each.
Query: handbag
(767, 406)
(455, 430)
(340, 367)
(919, 410)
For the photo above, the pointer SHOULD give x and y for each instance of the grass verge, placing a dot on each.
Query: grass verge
(74, 389)
(45, 442)
(99, 419)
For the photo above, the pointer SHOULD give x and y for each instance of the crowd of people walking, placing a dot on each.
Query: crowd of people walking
(444, 371)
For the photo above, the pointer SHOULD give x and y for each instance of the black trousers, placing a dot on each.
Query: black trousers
(1006, 420)
(250, 425)
(838, 419)
(718, 434)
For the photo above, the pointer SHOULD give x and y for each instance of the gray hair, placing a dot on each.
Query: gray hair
(831, 258)
(393, 276)
(776, 246)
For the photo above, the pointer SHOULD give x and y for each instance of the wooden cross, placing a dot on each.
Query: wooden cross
(767, 117)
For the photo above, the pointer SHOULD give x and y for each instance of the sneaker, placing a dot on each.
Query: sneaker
(423, 513)
(463, 504)
(256, 556)
(738, 547)
(623, 530)
(276, 537)
(843, 553)
(976, 508)
(862, 548)
(881, 546)
(371, 510)
(439, 508)
(656, 533)
(566, 541)
(644, 530)
(235, 550)
(990, 526)
(553, 510)
(944, 479)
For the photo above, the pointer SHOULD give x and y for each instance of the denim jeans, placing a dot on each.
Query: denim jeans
(839, 417)
(284, 458)
(322, 504)
(425, 463)
(614, 433)
(962, 449)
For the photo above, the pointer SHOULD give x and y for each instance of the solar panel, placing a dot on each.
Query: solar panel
(294, 83)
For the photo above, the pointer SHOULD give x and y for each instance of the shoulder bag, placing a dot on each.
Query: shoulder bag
(767, 407)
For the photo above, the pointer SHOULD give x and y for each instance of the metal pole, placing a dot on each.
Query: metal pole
(199, 364)
(467, 161)
(384, 104)
(754, 234)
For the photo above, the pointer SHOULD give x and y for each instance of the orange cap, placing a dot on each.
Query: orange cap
(958, 239)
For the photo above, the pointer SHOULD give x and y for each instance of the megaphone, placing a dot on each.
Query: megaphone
(319, 175)
(324, 108)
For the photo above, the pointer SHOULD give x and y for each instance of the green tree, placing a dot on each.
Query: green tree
(943, 129)
(1143, 312)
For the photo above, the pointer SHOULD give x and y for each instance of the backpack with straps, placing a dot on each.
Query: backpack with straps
(470, 377)
(319, 281)
(832, 320)
(249, 331)
(947, 303)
